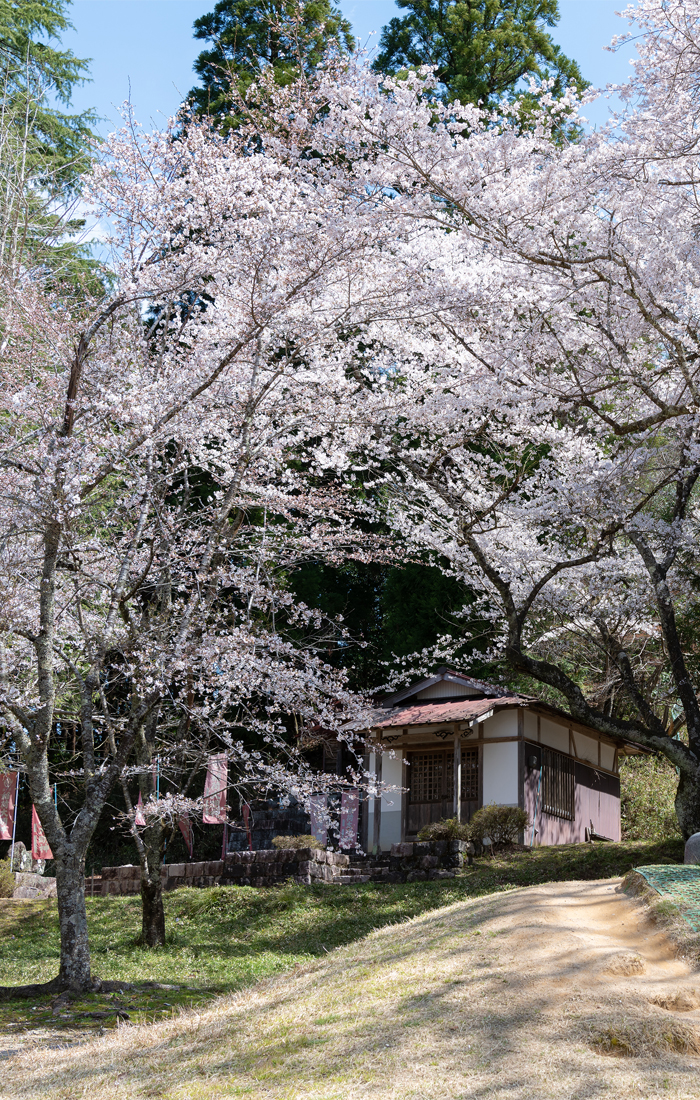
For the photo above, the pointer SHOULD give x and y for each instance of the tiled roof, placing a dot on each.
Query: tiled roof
(460, 710)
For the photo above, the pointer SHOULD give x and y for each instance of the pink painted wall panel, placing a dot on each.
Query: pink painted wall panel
(597, 800)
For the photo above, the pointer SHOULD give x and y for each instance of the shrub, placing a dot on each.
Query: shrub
(501, 824)
(296, 842)
(447, 829)
(7, 879)
(647, 793)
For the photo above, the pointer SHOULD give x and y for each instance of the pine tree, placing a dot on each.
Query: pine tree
(481, 49)
(251, 36)
(34, 71)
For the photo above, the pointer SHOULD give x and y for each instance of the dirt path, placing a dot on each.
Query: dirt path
(558, 992)
(591, 936)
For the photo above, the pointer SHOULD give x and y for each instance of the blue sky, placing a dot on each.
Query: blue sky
(144, 49)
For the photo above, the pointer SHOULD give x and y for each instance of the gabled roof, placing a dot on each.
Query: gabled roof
(460, 710)
(448, 675)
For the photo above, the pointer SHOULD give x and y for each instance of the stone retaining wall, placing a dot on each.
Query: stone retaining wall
(434, 859)
(268, 867)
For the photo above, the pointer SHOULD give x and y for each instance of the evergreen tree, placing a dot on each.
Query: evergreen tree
(249, 37)
(36, 70)
(481, 49)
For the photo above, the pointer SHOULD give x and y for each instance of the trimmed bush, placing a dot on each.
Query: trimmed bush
(501, 824)
(447, 829)
(296, 842)
(7, 879)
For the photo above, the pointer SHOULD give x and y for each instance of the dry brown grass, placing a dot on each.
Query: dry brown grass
(501, 997)
(640, 1038)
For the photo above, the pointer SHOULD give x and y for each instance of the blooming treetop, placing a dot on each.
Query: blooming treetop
(533, 390)
(142, 439)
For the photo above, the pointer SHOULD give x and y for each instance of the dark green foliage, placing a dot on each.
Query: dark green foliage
(252, 37)
(392, 610)
(447, 829)
(647, 792)
(296, 842)
(7, 879)
(481, 49)
(35, 70)
(501, 824)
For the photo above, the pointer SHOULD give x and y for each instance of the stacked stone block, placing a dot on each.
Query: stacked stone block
(419, 861)
(410, 862)
(269, 867)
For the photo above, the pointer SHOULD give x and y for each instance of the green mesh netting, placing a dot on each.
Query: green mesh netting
(679, 883)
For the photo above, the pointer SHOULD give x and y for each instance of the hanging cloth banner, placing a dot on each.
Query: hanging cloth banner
(187, 831)
(349, 810)
(317, 812)
(139, 816)
(8, 798)
(40, 845)
(215, 790)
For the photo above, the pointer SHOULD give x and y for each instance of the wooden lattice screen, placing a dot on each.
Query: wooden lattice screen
(557, 784)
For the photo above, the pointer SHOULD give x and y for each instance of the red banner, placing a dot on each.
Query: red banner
(8, 794)
(215, 790)
(40, 845)
(187, 831)
(319, 819)
(139, 817)
(349, 809)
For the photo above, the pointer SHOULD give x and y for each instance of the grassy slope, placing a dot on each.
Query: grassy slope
(471, 1000)
(224, 939)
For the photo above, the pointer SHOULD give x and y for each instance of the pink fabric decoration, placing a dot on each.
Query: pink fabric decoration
(349, 808)
(40, 845)
(215, 790)
(8, 792)
(317, 811)
(187, 831)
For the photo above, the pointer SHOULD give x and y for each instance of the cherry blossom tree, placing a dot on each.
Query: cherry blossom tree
(533, 392)
(140, 433)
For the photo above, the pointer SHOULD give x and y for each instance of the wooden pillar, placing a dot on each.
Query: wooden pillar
(457, 772)
(377, 817)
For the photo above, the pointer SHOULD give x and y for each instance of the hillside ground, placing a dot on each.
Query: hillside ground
(564, 990)
(222, 940)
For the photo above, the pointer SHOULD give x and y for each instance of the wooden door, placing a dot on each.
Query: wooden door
(431, 786)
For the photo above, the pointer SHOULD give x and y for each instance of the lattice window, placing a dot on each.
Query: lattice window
(426, 774)
(470, 775)
(557, 784)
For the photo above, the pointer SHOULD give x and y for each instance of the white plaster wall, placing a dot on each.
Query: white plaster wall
(390, 827)
(586, 748)
(503, 724)
(530, 725)
(500, 781)
(554, 735)
(607, 756)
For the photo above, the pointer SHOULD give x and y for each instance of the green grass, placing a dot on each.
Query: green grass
(226, 938)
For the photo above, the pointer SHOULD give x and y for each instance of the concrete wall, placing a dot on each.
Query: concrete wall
(500, 773)
(503, 724)
(392, 802)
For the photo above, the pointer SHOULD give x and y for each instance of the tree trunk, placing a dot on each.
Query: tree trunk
(151, 852)
(688, 803)
(74, 971)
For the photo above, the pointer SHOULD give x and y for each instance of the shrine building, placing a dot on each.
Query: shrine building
(459, 743)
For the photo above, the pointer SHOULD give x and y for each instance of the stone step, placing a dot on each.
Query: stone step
(350, 880)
